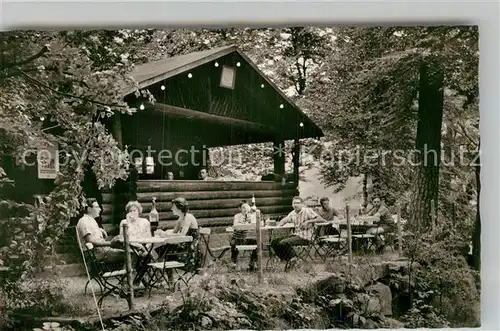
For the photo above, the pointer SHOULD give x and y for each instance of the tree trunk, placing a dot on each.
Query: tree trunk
(365, 191)
(430, 118)
(296, 161)
(476, 236)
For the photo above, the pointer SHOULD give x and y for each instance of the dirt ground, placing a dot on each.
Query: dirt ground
(276, 282)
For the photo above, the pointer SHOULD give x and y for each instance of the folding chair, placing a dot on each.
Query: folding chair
(215, 254)
(364, 242)
(316, 246)
(101, 274)
(309, 250)
(333, 246)
(325, 238)
(329, 241)
(273, 263)
(249, 229)
(157, 272)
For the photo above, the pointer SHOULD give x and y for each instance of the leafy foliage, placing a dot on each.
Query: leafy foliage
(444, 283)
(51, 89)
(359, 85)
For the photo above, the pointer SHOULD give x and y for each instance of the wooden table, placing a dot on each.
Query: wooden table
(170, 239)
(155, 242)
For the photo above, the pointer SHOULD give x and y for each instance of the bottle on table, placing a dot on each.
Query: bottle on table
(154, 216)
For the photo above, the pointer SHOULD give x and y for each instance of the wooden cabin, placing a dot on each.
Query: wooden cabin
(205, 99)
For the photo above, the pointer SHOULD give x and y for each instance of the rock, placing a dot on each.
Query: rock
(384, 295)
(367, 274)
(390, 323)
(206, 322)
(368, 305)
(333, 284)
(341, 307)
(373, 306)
(403, 283)
(358, 321)
(369, 324)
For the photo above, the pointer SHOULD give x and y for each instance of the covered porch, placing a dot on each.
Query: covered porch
(205, 99)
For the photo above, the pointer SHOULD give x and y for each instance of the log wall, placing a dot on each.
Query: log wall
(213, 203)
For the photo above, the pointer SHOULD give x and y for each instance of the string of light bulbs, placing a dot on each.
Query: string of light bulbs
(190, 75)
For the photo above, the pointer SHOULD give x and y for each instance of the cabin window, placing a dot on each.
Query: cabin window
(227, 77)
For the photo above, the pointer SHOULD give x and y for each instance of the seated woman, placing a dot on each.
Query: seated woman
(186, 225)
(138, 227)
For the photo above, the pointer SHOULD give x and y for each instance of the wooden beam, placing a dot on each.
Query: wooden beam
(296, 161)
(210, 213)
(279, 157)
(199, 185)
(199, 115)
(146, 197)
(201, 204)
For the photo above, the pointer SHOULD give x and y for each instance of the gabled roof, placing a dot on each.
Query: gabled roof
(153, 72)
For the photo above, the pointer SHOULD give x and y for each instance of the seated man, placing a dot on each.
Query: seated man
(90, 232)
(330, 214)
(326, 211)
(303, 218)
(170, 175)
(242, 237)
(203, 174)
(385, 224)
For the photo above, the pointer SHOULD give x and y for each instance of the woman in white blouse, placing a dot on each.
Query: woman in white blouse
(137, 226)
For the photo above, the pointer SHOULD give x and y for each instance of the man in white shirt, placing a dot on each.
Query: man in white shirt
(90, 232)
(242, 237)
(303, 218)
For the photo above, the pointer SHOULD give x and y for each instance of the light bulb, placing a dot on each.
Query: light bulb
(42, 118)
(301, 124)
(216, 64)
(163, 87)
(141, 107)
(261, 85)
(190, 75)
(238, 64)
(282, 106)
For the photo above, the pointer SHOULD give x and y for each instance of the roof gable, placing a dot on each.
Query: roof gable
(152, 73)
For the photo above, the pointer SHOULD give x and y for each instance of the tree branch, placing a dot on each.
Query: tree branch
(466, 135)
(40, 53)
(37, 82)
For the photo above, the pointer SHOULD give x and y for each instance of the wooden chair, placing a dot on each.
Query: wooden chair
(215, 254)
(99, 272)
(158, 272)
(321, 234)
(179, 258)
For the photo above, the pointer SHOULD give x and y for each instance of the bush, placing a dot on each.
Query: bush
(38, 298)
(443, 280)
